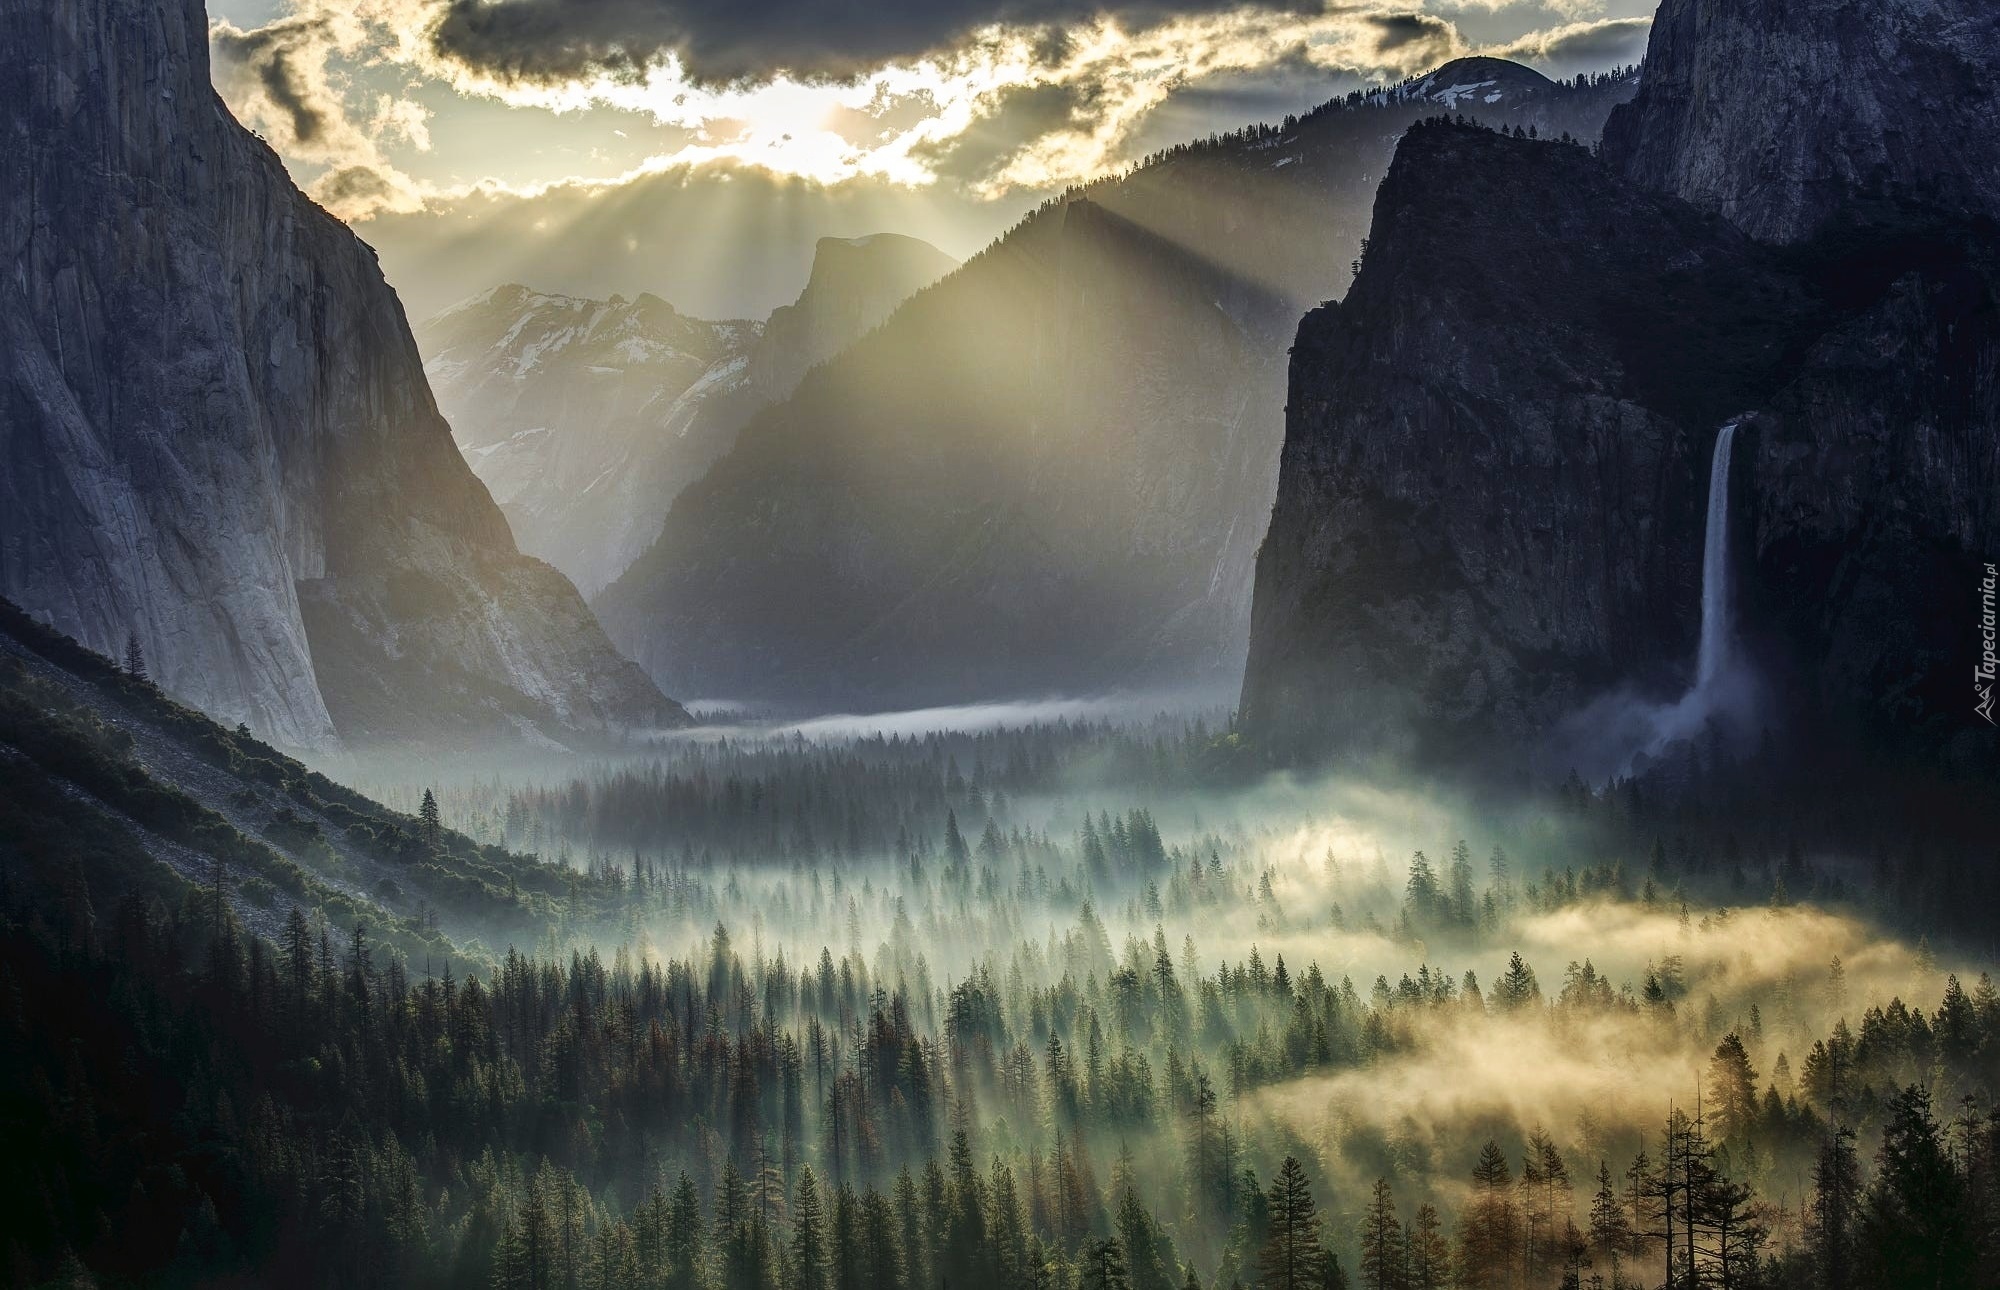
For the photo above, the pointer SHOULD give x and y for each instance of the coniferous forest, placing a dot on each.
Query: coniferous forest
(1067, 1005)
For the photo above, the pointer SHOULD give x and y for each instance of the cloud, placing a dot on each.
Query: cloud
(401, 118)
(1581, 46)
(1414, 40)
(277, 74)
(1572, 9)
(277, 79)
(349, 188)
(726, 41)
(990, 97)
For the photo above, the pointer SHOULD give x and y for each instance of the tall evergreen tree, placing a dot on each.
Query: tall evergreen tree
(135, 658)
(1382, 1263)
(1916, 1222)
(1429, 1253)
(1489, 1227)
(1292, 1250)
(1103, 1265)
(429, 822)
(1610, 1234)
(1731, 1108)
(1836, 1204)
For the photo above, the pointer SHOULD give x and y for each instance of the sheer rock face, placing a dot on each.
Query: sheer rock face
(1491, 503)
(1491, 495)
(1789, 116)
(856, 283)
(1049, 472)
(216, 432)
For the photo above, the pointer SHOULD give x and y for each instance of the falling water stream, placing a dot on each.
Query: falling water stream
(1620, 731)
(1714, 656)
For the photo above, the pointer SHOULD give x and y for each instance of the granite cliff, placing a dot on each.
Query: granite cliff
(217, 432)
(1491, 503)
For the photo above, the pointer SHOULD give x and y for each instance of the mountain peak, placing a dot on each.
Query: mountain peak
(1472, 82)
(856, 283)
(895, 254)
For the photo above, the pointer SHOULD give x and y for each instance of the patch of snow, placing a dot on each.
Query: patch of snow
(680, 414)
(1449, 97)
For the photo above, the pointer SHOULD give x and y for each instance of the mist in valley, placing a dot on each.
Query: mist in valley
(1115, 962)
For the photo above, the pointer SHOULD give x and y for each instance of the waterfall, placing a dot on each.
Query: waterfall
(1715, 568)
(1621, 731)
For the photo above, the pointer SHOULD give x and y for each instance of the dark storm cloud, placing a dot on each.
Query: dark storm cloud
(726, 40)
(271, 57)
(1414, 35)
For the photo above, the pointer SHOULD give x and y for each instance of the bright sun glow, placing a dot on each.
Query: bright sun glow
(900, 123)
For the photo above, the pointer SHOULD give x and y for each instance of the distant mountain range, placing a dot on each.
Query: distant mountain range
(1049, 472)
(586, 418)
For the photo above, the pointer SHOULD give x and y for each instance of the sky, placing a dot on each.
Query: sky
(698, 148)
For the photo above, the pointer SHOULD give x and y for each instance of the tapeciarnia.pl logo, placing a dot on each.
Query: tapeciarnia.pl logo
(1982, 675)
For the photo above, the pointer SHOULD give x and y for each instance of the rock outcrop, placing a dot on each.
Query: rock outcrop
(1049, 472)
(1492, 499)
(217, 432)
(855, 284)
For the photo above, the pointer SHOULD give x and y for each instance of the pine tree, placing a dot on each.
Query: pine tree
(1545, 1191)
(1835, 1204)
(1732, 1091)
(135, 658)
(1147, 1268)
(1916, 1223)
(1104, 1267)
(881, 1258)
(1516, 987)
(428, 821)
(967, 1248)
(1429, 1253)
(1610, 1229)
(1489, 1227)
(847, 1269)
(1291, 1256)
(1381, 1241)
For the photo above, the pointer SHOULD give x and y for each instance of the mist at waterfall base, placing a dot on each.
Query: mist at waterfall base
(1624, 732)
